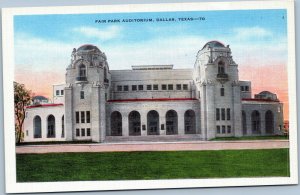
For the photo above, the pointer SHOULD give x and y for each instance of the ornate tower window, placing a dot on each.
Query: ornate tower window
(221, 68)
(82, 73)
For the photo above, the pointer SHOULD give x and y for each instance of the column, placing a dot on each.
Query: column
(125, 128)
(69, 113)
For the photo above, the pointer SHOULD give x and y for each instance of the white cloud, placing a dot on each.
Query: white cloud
(101, 34)
(251, 32)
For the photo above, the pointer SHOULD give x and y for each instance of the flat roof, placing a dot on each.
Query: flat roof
(152, 67)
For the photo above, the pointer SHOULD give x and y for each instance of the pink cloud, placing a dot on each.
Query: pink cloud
(271, 78)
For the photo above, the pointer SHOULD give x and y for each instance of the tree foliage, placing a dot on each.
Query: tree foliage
(22, 98)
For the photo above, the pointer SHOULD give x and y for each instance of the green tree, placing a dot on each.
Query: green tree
(22, 98)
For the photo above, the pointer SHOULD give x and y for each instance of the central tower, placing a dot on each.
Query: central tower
(86, 92)
(217, 85)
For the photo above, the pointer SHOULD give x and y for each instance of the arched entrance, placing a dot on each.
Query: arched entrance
(51, 126)
(134, 121)
(189, 122)
(37, 126)
(153, 123)
(244, 123)
(171, 122)
(255, 119)
(116, 123)
(269, 122)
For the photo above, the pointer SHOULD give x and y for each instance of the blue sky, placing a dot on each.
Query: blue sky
(45, 41)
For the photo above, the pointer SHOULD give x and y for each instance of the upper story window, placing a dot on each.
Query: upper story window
(119, 88)
(246, 88)
(185, 87)
(149, 87)
(126, 88)
(81, 94)
(170, 87)
(164, 87)
(61, 92)
(155, 87)
(178, 87)
(222, 91)
(133, 87)
(57, 92)
(141, 87)
(221, 68)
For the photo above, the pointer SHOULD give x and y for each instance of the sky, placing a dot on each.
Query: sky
(258, 40)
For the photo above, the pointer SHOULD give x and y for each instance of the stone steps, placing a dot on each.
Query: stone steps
(154, 138)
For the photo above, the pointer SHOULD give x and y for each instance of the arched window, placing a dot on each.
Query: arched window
(269, 122)
(255, 118)
(221, 68)
(189, 122)
(37, 126)
(171, 122)
(116, 123)
(134, 120)
(153, 123)
(63, 126)
(51, 126)
(82, 70)
(244, 123)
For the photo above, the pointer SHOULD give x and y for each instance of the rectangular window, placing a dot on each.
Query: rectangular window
(222, 91)
(218, 129)
(223, 113)
(223, 129)
(82, 114)
(246, 88)
(178, 87)
(170, 87)
(228, 114)
(164, 87)
(119, 88)
(185, 87)
(141, 87)
(61, 92)
(228, 129)
(162, 127)
(81, 94)
(217, 114)
(88, 132)
(88, 117)
(77, 117)
(133, 87)
(155, 87)
(149, 87)
(26, 132)
(242, 88)
(57, 92)
(77, 133)
(82, 132)
(126, 88)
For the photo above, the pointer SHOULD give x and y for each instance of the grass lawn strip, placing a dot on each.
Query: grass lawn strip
(152, 165)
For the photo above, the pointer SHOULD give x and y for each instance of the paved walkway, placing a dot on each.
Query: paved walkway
(157, 146)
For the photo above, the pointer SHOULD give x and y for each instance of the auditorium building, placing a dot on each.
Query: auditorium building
(153, 102)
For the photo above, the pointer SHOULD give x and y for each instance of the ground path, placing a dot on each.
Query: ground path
(154, 146)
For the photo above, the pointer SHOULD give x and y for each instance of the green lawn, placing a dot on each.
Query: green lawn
(152, 165)
(281, 137)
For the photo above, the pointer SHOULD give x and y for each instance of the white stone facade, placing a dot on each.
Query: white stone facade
(155, 101)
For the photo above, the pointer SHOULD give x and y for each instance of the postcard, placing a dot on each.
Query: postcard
(149, 96)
